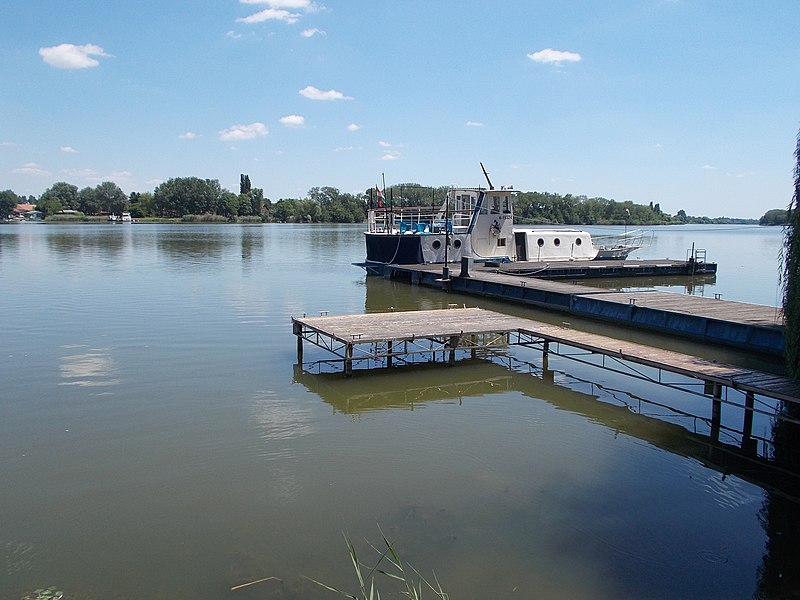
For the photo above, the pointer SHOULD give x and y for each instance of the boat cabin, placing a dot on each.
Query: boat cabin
(537, 245)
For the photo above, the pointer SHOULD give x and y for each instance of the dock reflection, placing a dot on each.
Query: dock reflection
(777, 473)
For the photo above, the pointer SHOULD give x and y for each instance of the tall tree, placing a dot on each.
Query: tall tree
(110, 198)
(244, 184)
(59, 196)
(8, 200)
(790, 277)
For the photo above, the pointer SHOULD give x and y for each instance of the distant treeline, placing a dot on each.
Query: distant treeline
(191, 198)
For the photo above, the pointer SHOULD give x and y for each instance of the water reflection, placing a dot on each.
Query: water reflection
(92, 367)
(252, 244)
(732, 468)
(192, 249)
(689, 285)
(89, 243)
(780, 517)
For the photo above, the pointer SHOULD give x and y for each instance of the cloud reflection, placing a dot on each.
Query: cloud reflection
(94, 368)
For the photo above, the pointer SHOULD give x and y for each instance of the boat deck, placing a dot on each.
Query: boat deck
(577, 269)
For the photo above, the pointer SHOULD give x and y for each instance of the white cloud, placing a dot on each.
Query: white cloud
(709, 168)
(30, 168)
(384, 144)
(68, 150)
(234, 35)
(243, 132)
(189, 135)
(344, 149)
(353, 127)
(293, 121)
(548, 55)
(271, 14)
(306, 5)
(390, 155)
(311, 32)
(70, 56)
(474, 124)
(82, 173)
(313, 93)
(7, 144)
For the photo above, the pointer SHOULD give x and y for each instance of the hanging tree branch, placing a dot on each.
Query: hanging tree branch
(790, 276)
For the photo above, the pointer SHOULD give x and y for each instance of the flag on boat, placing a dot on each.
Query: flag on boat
(379, 192)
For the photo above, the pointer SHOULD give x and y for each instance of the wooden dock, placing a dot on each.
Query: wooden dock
(736, 324)
(400, 337)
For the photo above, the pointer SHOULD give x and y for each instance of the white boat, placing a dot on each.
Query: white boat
(126, 217)
(112, 218)
(477, 223)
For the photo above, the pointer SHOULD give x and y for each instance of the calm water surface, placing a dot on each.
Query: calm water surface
(157, 441)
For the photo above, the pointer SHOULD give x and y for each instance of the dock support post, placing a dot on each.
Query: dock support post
(748, 443)
(297, 329)
(389, 354)
(545, 348)
(473, 353)
(452, 345)
(348, 360)
(716, 412)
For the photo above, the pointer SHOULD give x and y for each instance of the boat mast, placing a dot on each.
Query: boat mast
(485, 174)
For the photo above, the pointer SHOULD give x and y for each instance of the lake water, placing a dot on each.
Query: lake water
(158, 441)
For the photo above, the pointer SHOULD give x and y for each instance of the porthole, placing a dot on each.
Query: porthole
(540, 242)
(457, 243)
(556, 242)
(578, 242)
(436, 244)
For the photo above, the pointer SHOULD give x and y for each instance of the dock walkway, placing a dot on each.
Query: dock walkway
(737, 324)
(400, 335)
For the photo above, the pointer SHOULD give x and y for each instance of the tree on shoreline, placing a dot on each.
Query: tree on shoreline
(790, 276)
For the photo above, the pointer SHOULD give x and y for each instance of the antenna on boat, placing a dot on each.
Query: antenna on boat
(485, 174)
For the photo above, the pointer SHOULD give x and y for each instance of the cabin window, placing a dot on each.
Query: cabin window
(540, 242)
(556, 242)
(436, 244)
(501, 241)
(505, 205)
(496, 203)
(578, 241)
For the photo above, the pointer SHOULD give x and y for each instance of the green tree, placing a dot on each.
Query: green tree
(187, 195)
(87, 201)
(776, 216)
(244, 184)
(790, 276)
(59, 196)
(111, 198)
(8, 200)
(141, 204)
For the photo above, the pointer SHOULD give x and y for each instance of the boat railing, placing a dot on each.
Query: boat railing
(637, 238)
(416, 220)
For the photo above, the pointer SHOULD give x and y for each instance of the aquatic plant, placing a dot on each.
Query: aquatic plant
(50, 593)
(790, 276)
(411, 582)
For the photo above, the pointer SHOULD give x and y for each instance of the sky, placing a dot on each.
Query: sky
(690, 104)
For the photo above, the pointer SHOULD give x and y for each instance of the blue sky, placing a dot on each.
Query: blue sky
(692, 104)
